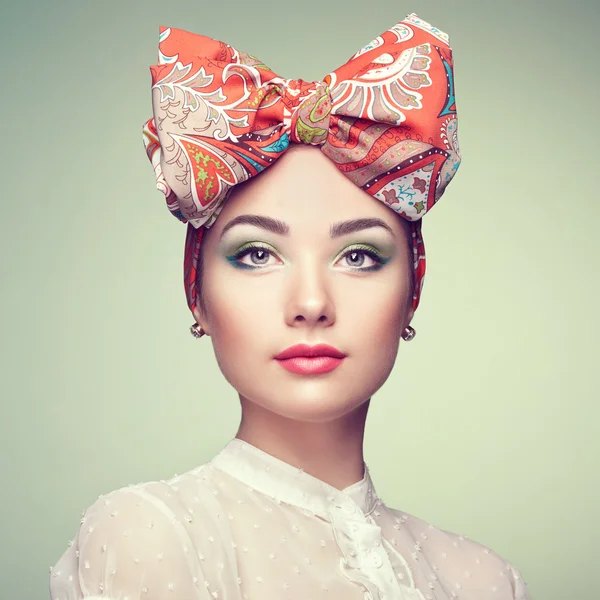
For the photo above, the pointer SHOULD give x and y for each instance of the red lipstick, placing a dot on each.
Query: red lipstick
(304, 359)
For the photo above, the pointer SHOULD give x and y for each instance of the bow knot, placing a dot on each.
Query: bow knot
(307, 111)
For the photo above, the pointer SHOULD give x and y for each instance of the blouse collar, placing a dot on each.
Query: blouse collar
(285, 483)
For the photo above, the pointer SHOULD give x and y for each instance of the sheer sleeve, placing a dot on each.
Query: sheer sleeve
(130, 546)
(521, 591)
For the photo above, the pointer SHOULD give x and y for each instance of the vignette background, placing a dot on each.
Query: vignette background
(488, 425)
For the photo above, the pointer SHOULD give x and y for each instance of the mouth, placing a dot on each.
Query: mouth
(310, 360)
(306, 365)
(306, 351)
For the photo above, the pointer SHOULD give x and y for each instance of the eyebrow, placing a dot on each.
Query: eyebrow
(280, 228)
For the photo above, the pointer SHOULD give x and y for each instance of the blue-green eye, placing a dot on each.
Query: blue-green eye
(359, 252)
(253, 249)
(259, 256)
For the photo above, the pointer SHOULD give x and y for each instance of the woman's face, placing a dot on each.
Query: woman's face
(305, 286)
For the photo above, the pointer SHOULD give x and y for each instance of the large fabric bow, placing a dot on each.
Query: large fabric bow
(386, 118)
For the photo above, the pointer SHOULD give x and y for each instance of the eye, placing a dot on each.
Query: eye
(257, 254)
(355, 258)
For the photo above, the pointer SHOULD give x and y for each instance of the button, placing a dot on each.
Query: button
(376, 560)
(348, 508)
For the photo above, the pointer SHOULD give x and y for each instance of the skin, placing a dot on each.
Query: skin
(306, 289)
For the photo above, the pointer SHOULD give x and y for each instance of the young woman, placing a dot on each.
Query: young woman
(305, 284)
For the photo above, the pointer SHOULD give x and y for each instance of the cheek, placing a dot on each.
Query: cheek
(391, 314)
(246, 333)
(233, 340)
(240, 317)
(381, 326)
(382, 304)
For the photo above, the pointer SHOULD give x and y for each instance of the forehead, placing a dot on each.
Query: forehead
(305, 189)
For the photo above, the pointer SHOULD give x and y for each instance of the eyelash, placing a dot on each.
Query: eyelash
(379, 260)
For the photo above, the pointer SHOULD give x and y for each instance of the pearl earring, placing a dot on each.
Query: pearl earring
(409, 333)
(197, 331)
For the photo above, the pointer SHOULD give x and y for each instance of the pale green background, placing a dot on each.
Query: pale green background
(489, 424)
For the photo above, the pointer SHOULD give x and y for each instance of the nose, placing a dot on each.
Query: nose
(309, 296)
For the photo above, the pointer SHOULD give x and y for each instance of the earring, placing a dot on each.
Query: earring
(197, 331)
(409, 333)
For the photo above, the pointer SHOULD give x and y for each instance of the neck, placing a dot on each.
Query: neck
(331, 451)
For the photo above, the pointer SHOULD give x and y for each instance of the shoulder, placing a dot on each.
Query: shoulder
(151, 514)
(151, 509)
(143, 540)
(148, 497)
(468, 566)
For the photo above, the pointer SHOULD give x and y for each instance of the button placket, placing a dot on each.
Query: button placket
(375, 559)
(346, 520)
(366, 560)
(348, 508)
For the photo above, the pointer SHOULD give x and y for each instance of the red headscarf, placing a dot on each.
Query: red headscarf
(386, 118)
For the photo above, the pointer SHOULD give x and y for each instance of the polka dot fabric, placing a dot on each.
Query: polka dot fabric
(386, 118)
(248, 526)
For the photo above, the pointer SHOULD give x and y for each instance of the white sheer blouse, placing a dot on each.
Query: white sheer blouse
(248, 526)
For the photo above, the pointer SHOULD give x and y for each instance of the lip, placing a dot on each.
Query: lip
(305, 365)
(304, 350)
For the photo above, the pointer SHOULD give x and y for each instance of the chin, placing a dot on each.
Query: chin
(312, 400)
(316, 398)
(312, 410)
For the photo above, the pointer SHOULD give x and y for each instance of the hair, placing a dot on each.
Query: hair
(200, 268)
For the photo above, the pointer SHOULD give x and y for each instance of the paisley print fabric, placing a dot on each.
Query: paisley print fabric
(386, 118)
